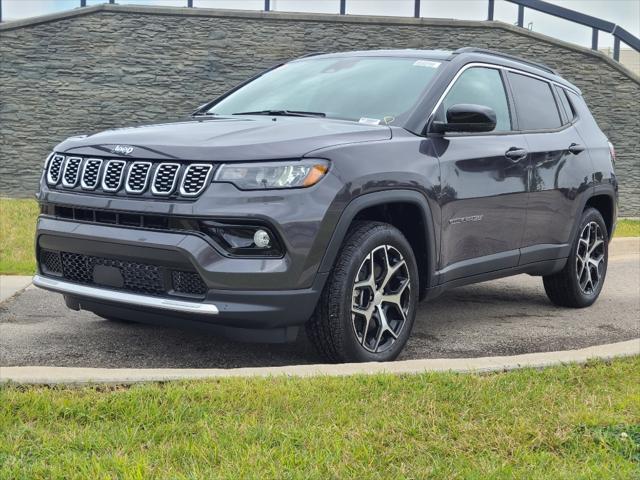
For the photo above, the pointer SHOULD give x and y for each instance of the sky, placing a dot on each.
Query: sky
(625, 13)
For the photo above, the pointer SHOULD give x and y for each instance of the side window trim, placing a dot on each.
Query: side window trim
(510, 99)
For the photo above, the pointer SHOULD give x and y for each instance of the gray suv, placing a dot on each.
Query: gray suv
(334, 192)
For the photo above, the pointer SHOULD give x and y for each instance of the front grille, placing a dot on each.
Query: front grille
(55, 169)
(138, 177)
(136, 276)
(113, 175)
(195, 179)
(71, 172)
(90, 173)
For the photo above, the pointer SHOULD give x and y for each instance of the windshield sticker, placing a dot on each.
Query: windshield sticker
(426, 63)
(370, 121)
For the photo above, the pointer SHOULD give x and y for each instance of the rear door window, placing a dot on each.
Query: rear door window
(535, 104)
(566, 105)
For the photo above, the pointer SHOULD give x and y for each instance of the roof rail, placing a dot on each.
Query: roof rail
(541, 66)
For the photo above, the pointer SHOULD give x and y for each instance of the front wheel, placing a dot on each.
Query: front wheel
(580, 282)
(368, 305)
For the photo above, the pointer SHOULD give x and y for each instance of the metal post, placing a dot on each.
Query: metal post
(83, 3)
(520, 15)
(490, 12)
(594, 39)
(0, 11)
(416, 9)
(190, 3)
(616, 49)
(112, 1)
(267, 5)
(343, 7)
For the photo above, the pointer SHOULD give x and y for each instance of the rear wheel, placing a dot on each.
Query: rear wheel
(368, 305)
(579, 284)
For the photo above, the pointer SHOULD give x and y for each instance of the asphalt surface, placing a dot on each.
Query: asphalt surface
(503, 317)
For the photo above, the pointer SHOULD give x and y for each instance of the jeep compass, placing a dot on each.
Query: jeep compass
(333, 192)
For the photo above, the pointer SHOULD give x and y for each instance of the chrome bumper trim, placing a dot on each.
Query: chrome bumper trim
(123, 297)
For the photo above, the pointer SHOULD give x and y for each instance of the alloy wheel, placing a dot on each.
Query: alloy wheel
(590, 258)
(380, 299)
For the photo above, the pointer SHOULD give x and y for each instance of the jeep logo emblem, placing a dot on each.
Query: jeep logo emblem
(122, 149)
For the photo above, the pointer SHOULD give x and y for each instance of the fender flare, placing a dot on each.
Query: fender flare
(368, 200)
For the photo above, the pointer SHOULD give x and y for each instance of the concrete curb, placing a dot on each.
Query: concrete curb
(80, 376)
(12, 285)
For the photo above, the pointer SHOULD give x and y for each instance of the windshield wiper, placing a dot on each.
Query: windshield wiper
(284, 113)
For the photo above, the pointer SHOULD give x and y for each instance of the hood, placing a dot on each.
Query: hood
(225, 138)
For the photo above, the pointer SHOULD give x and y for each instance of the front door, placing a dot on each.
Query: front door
(484, 179)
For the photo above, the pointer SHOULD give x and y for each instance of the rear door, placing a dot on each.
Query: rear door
(558, 161)
(483, 181)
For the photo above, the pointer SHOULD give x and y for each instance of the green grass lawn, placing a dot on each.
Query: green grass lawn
(567, 422)
(18, 221)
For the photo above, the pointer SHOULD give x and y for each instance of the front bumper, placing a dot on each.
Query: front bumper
(231, 301)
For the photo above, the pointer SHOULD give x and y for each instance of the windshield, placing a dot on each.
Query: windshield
(376, 90)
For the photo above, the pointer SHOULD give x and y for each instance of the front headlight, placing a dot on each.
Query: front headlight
(273, 175)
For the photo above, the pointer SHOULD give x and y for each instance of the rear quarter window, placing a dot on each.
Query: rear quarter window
(535, 103)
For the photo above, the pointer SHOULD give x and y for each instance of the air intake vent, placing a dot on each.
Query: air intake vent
(89, 180)
(138, 177)
(113, 175)
(55, 169)
(196, 178)
(165, 178)
(71, 172)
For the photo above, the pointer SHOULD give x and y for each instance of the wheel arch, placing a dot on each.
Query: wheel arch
(395, 207)
(604, 202)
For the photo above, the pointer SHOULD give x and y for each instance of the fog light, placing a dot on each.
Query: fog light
(261, 239)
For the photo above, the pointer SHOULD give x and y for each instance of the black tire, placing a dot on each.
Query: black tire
(570, 287)
(334, 329)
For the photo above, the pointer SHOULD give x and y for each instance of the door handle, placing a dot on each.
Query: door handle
(575, 148)
(515, 154)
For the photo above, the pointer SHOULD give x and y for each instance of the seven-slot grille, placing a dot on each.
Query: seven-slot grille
(132, 176)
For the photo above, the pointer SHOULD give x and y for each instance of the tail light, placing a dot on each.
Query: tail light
(612, 152)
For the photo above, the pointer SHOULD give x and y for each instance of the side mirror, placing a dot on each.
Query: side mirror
(465, 117)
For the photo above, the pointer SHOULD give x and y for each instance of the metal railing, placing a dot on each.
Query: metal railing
(620, 35)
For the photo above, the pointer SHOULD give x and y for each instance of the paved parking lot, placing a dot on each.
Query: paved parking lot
(503, 317)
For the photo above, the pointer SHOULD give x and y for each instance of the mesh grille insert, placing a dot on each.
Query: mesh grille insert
(137, 177)
(136, 276)
(71, 171)
(55, 169)
(113, 175)
(90, 173)
(51, 262)
(164, 180)
(188, 282)
(195, 179)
